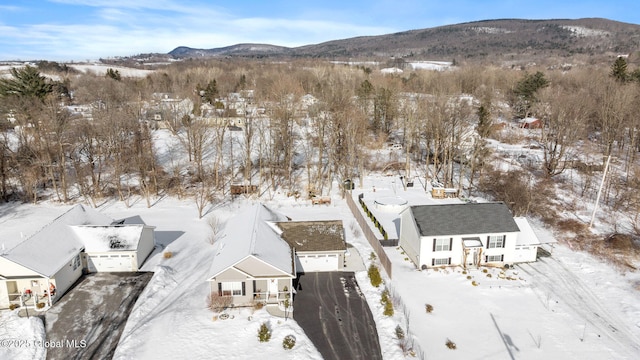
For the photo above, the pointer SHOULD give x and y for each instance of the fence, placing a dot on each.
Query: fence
(369, 235)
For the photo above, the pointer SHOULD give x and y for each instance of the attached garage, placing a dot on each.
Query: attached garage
(317, 262)
(318, 245)
(111, 263)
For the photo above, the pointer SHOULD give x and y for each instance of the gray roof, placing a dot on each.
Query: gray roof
(463, 219)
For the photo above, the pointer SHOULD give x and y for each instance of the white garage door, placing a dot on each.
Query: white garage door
(311, 263)
(113, 263)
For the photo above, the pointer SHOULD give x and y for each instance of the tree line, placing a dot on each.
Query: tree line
(443, 120)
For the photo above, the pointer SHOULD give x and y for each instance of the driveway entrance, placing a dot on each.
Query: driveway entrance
(334, 314)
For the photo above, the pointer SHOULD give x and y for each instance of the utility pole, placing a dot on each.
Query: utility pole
(604, 175)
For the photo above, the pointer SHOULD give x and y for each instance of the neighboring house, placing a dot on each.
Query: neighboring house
(260, 252)
(252, 263)
(465, 234)
(318, 245)
(80, 240)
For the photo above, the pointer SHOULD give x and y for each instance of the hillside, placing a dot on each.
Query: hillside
(505, 39)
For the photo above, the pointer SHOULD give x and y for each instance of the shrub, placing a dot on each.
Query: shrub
(374, 276)
(217, 303)
(388, 309)
(474, 283)
(399, 333)
(40, 305)
(468, 277)
(450, 344)
(488, 275)
(258, 305)
(485, 271)
(264, 334)
(429, 308)
(13, 306)
(289, 342)
(372, 256)
(384, 297)
(167, 254)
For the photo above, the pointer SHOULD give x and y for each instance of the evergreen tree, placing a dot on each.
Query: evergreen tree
(525, 92)
(619, 70)
(25, 82)
(113, 74)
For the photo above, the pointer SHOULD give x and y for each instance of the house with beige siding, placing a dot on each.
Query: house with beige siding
(261, 251)
(43, 267)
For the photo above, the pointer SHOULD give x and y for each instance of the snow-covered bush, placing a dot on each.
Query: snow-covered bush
(374, 275)
(289, 342)
(264, 334)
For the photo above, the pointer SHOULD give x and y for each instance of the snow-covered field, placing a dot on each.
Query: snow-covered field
(566, 306)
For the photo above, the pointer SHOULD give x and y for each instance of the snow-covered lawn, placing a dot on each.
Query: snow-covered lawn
(590, 312)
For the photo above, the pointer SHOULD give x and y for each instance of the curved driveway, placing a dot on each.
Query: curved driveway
(334, 314)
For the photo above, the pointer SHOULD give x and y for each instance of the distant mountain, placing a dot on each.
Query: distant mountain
(234, 50)
(505, 39)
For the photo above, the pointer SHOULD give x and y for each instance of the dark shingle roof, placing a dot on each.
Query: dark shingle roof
(463, 219)
(313, 235)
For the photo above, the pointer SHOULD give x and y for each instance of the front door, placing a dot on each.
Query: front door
(273, 288)
(471, 258)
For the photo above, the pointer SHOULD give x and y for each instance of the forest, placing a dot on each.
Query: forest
(303, 127)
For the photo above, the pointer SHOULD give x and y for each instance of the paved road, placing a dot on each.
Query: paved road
(334, 314)
(88, 320)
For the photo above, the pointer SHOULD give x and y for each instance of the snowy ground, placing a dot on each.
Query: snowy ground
(567, 306)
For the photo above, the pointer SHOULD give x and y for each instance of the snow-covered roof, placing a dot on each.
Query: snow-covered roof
(527, 236)
(109, 238)
(56, 244)
(251, 233)
(79, 228)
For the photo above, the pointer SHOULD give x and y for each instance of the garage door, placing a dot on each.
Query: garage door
(110, 263)
(311, 263)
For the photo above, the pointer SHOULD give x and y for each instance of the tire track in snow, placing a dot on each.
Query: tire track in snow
(553, 277)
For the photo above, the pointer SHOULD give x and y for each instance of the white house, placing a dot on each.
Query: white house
(471, 234)
(54, 258)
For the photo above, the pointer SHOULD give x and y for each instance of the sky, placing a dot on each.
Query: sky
(79, 30)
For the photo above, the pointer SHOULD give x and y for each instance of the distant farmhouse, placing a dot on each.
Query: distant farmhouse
(43, 267)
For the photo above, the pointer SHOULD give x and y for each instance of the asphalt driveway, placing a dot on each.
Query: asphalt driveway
(88, 320)
(334, 314)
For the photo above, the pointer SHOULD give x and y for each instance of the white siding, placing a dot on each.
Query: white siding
(67, 276)
(145, 246)
(409, 239)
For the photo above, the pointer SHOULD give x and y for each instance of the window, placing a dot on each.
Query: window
(442, 261)
(495, 258)
(231, 288)
(76, 262)
(442, 244)
(496, 241)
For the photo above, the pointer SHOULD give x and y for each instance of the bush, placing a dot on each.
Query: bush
(13, 306)
(258, 305)
(384, 297)
(167, 255)
(289, 342)
(429, 308)
(40, 305)
(217, 303)
(374, 276)
(264, 334)
(399, 333)
(474, 283)
(388, 309)
(450, 344)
